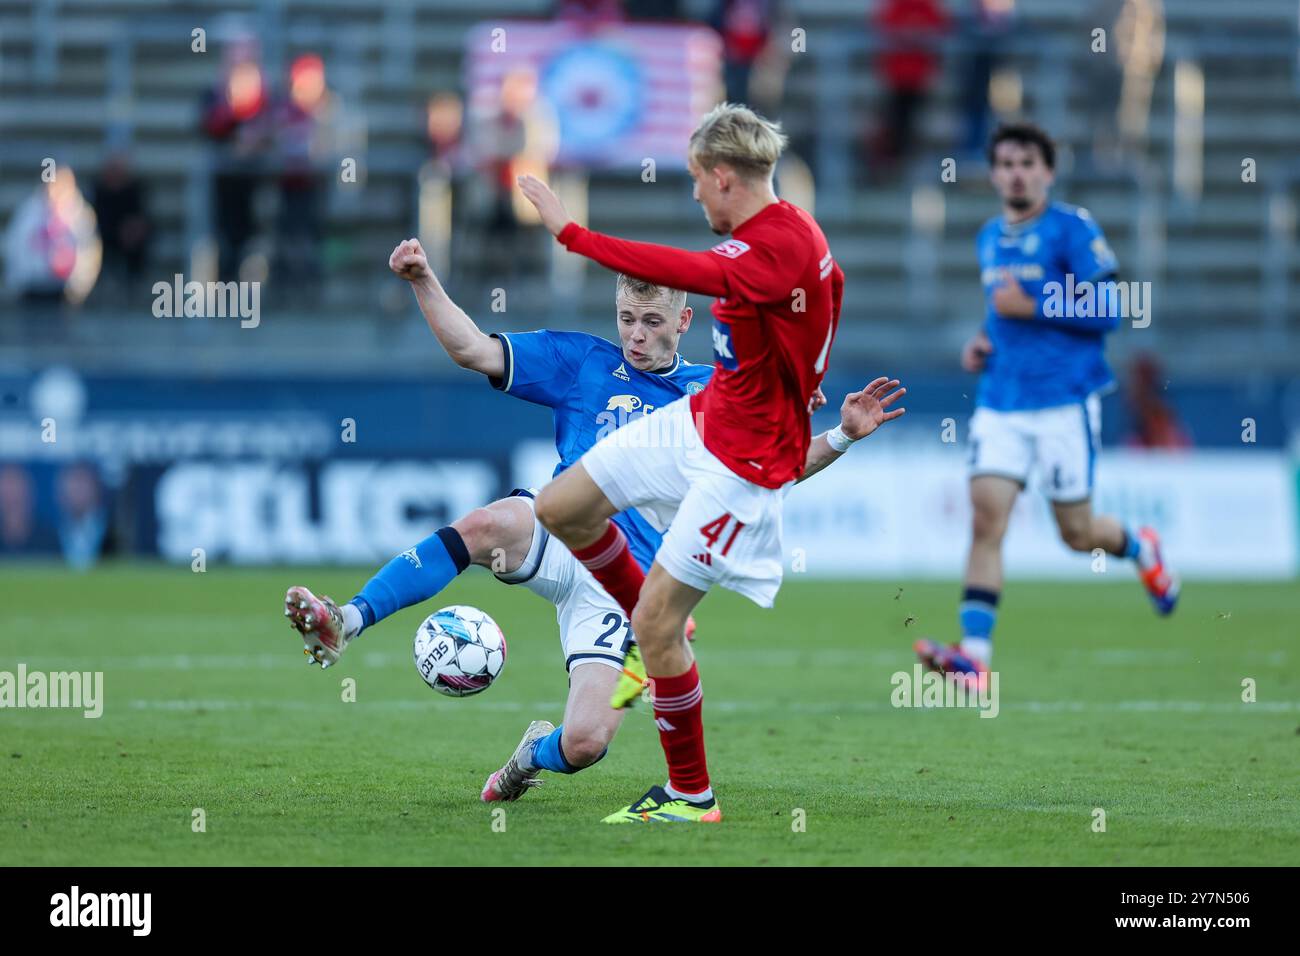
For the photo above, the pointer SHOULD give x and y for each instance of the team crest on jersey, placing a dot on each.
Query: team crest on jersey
(628, 403)
(621, 372)
(723, 353)
(694, 388)
(731, 248)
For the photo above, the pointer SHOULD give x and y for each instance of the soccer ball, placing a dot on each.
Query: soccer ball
(459, 651)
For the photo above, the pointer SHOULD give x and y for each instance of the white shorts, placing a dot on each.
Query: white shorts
(1057, 445)
(718, 527)
(593, 628)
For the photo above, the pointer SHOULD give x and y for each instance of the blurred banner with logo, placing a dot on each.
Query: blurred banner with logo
(253, 473)
(619, 92)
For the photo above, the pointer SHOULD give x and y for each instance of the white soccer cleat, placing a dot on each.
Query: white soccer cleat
(512, 781)
(320, 622)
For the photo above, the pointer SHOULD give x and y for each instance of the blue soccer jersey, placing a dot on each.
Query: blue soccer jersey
(593, 390)
(1050, 359)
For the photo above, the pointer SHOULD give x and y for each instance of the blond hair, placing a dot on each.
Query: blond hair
(647, 291)
(734, 134)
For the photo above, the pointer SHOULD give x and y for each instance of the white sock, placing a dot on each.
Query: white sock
(704, 797)
(980, 648)
(351, 621)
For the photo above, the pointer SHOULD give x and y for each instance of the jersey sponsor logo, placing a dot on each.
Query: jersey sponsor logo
(619, 410)
(621, 372)
(723, 353)
(411, 556)
(1020, 271)
(731, 248)
(628, 403)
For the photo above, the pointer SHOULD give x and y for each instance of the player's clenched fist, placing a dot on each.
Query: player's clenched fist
(409, 261)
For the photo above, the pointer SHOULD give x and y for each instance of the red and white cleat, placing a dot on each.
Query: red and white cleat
(512, 781)
(949, 659)
(320, 622)
(1162, 584)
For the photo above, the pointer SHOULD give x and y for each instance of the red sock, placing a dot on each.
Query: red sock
(679, 706)
(611, 563)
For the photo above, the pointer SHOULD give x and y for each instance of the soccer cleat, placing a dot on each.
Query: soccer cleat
(512, 781)
(1162, 584)
(320, 622)
(658, 807)
(631, 682)
(949, 659)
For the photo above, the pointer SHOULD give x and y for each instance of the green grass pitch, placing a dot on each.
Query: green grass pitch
(209, 704)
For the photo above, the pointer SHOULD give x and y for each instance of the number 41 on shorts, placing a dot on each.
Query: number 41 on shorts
(714, 530)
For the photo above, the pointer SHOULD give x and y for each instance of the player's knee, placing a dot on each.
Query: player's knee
(650, 626)
(584, 744)
(479, 530)
(550, 513)
(988, 524)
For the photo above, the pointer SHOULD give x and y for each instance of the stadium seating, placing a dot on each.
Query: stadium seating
(71, 70)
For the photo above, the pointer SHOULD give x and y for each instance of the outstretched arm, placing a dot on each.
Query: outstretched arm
(860, 415)
(467, 345)
(699, 272)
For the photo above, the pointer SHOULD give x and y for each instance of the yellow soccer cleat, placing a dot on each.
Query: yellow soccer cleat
(632, 682)
(658, 807)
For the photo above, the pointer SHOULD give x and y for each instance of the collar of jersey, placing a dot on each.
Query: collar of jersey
(1014, 229)
(677, 361)
(762, 213)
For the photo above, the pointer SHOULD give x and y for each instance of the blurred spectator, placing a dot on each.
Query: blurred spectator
(1155, 423)
(20, 531)
(746, 30)
(437, 202)
(444, 123)
(124, 226)
(984, 29)
(301, 121)
(52, 249)
(518, 136)
(234, 120)
(1119, 82)
(83, 515)
(908, 67)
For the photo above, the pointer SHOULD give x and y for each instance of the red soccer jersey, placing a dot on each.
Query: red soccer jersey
(777, 305)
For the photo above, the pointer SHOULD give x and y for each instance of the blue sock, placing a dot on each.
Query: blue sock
(977, 613)
(1131, 545)
(413, 576)
(549, 755)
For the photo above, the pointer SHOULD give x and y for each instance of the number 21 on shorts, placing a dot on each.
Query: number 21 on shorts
(715, 529)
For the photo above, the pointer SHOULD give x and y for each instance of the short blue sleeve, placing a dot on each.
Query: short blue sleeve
(1088, 256)
(541, 366)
